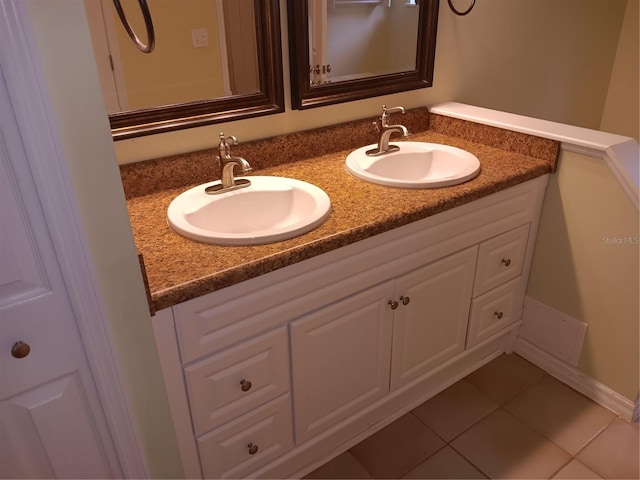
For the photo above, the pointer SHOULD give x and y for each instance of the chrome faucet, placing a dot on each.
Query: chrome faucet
(385, 131)
(227, 164)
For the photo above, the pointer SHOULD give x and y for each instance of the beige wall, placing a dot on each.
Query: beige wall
(586, 265)
(175, 72)
(78, 109)
(623, 98)
(547, 59)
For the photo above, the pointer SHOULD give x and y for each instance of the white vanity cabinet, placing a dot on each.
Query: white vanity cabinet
(271, 377)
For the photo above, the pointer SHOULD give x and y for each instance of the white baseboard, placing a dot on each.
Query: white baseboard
(596, 391)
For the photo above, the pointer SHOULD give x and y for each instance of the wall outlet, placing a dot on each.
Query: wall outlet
(199, 38)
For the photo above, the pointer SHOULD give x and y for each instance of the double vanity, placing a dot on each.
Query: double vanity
(279, 356)
(259, 210)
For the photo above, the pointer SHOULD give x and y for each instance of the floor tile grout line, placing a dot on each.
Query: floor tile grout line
(422, 461)
(463, 431)
(571, 459)
(592, 440)
(361, 464)
(448, 442)
(470, 462)
(533, 427)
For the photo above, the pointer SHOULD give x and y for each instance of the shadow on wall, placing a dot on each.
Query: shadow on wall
(553, 258)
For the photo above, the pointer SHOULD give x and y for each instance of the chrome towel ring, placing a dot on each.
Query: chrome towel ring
(148, 22)
(458, 12)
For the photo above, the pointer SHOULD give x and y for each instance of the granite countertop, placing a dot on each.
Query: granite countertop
(179, 269)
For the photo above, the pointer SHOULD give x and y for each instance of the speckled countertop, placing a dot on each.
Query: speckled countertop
(179, 269)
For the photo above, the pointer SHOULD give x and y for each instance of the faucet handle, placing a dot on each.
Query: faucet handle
(224, 149)
(225, 140)
(387, 111)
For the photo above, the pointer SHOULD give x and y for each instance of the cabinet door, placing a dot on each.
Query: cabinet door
(340, 359)
(430, 324)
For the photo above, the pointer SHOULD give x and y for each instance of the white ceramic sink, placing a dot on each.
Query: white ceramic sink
(271, 209)
(415, 165)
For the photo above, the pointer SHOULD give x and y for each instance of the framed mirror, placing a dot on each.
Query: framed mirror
(344, 50)
(214, 61)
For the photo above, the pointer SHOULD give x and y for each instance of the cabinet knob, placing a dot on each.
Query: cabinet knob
(498, 314)
(253, 448)
(245, 385)
(393, 304)
(405, 300)
(506, 261)
(20, 349)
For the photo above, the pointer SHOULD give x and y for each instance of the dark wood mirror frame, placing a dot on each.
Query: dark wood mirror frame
(269, 100)
(303, 95)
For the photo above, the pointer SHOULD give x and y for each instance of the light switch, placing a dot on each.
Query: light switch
(199, 38)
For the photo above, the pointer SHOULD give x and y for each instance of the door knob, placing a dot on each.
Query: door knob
(20, 349)
(393, 304)
(405, 300)
(506, 261)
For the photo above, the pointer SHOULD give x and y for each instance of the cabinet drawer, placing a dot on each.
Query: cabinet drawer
(493, 311)
(237, 380)
(500, 259)
(249, 442)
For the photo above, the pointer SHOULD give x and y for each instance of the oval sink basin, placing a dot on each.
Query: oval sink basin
(269, 210)
(415, 165)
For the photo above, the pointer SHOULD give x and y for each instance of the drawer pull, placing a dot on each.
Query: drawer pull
(245, 385)
(498, 314)
(253, 448)
(405, 300)
(393, 304)
(506, 261)
(20, 349)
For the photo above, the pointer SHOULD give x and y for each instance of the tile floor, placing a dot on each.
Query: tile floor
(509, 419)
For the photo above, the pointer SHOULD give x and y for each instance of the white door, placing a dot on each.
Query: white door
(107, 55)
(430, 323)
(51, 422)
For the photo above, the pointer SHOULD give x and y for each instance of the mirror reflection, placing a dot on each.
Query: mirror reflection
(345, 50)
(359, 39)
(213, 61)
(207, 49)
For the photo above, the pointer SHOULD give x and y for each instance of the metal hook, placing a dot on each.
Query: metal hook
(148, 22)
(457, 12)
